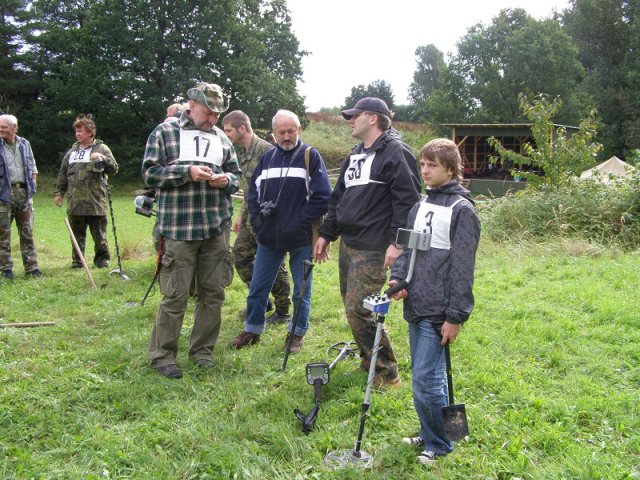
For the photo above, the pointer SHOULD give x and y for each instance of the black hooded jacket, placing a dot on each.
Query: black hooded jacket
(372, 198)
(442, 283)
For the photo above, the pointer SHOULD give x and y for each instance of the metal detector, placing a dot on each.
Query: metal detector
(308, 267)
(119, 270)
(379, 305)
(144, 206)
(318, 376)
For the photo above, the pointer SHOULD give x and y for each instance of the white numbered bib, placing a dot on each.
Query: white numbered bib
(436, 220)
(81, 156)
(199, 146)
(359, 170)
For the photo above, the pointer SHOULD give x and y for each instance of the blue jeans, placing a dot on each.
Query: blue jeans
(265, 269)
(430, 393)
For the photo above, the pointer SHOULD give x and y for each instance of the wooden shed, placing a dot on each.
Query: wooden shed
(471, 138)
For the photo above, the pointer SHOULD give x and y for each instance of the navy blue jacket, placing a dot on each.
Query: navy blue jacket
(301, 197)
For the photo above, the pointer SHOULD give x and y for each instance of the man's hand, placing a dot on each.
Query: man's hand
(219, 180)
(199, 174)
(400, 294)
(449, 332)
(57, 199)
(390, 255)
(321, 250)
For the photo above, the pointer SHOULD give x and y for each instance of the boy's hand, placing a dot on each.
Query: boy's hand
(399, 295)
(449, 332)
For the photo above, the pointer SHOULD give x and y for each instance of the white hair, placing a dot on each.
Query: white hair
(11, 120)
(286, 114)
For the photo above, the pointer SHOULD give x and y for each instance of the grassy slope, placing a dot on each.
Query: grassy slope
(547, 367)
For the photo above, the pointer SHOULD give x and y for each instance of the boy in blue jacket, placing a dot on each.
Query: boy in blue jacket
(439, 297)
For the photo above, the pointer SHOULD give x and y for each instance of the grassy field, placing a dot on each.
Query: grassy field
(548, 367)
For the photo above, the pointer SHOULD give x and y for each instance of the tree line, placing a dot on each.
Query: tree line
(588, 55)
(124, 61)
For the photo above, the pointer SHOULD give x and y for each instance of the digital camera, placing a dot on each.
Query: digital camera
(268, 208)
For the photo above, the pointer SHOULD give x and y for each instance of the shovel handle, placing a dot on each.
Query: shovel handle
(447, 356)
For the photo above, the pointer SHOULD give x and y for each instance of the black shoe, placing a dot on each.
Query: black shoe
(277, 317)
(76, 265)
(34, 273)
(8, 274)
(101, 264)
(270, 305)
(169, 371)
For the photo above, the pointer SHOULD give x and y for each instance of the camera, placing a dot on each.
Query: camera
(144, 205)
(98, 166)
(268, 208)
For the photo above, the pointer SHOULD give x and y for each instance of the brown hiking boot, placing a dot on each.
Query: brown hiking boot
(245, 339)
(382, 382)
(296, 343)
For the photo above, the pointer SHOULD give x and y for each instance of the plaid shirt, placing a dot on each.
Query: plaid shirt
(188, 210)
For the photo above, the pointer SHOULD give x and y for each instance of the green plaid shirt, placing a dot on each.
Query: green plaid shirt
(189, 210)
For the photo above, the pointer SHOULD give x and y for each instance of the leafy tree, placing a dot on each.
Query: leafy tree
(17, 85)
(125, 60)
(377, 88)
(430, 66)
(607, 33)
(516, 54)
(558, 154)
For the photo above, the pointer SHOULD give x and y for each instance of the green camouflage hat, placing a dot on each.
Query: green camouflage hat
(210, 95)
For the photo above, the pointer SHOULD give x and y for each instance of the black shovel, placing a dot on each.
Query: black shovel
(455, 416)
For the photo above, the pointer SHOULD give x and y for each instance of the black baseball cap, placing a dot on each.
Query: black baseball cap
(368, 104)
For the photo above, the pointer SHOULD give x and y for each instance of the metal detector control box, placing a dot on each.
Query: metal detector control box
(377, 303)
(413, 240)
(317, 371)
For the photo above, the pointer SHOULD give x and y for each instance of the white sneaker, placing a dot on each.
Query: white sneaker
(427, 457)
(416, 441)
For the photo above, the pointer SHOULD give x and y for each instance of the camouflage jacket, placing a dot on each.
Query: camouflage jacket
(248, 161)
(86, 190)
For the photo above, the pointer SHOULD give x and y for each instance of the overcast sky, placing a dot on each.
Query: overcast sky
(346, 39)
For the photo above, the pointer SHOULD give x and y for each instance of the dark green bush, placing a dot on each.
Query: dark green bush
(603, 213)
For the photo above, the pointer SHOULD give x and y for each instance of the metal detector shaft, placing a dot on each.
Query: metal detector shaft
(372, 372)
(153, 282)
(344, 353)
(308, 267)
(113, 225)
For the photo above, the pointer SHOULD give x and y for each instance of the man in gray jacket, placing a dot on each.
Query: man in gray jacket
(18, 173)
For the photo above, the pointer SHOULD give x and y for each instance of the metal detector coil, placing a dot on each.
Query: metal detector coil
(318, 374)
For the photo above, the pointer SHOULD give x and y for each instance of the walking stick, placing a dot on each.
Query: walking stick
(80, 254)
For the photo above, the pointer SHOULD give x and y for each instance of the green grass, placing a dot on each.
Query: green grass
(548, 368)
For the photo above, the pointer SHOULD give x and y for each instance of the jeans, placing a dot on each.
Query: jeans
(265, 269)
(430, 393)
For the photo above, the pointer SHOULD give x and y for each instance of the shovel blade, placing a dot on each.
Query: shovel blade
(455, 422)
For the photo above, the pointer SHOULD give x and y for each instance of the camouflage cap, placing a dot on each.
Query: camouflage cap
(210, 95)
